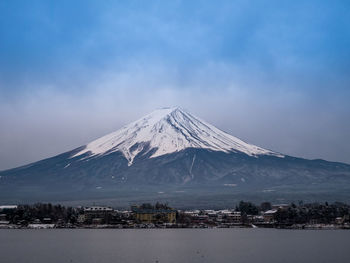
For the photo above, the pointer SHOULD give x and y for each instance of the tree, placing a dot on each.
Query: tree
(265, 206)
(248, 208)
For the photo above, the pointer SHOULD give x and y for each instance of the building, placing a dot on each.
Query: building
(150, 214)
(7, 208)
(96, 214)
(269, 216)
(3, 220)
(3, 217)
(236, 217)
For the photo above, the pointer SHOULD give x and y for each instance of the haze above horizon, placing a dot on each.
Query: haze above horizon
(273, 73)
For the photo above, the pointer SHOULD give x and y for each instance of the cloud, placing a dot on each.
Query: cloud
(49, 120)
(274, 74)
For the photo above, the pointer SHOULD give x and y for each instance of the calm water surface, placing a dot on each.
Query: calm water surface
(178, 245)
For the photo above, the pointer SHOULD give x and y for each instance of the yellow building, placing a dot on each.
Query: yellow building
(153, 215)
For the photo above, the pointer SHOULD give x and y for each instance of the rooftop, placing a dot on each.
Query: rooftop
(98, 208)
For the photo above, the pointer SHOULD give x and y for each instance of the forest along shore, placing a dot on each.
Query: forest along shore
(243, 215)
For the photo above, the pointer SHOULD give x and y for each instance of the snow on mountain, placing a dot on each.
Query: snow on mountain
(169, 130)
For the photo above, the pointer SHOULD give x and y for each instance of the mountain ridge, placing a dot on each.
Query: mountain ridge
(143, 158)
(169, 130)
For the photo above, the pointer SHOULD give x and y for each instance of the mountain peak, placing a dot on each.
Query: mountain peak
(169, 130)
(164, 112)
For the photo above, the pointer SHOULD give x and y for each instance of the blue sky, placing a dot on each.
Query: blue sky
(274, 73)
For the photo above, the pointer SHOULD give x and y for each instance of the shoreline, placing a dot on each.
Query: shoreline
(293, 227)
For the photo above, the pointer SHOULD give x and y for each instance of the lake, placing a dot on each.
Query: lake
(174, 245)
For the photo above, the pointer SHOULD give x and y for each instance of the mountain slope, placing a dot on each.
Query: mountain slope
(171, 151)
(169, 130)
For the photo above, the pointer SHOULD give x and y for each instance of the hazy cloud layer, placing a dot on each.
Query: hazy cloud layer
(276, 74)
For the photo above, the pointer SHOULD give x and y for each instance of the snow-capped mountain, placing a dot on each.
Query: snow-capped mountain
(169, 130)
(170, 151)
